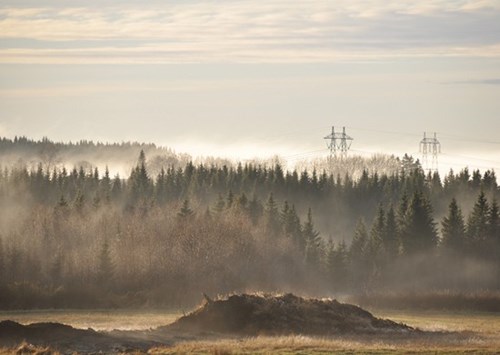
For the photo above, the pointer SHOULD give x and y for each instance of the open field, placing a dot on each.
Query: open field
(470, 333)
(456, 332)
(100, 320)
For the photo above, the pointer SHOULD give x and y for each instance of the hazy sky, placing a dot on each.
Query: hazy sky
(246, 78)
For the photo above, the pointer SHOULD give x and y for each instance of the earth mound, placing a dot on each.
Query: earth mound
(65, 339)
(283, 315)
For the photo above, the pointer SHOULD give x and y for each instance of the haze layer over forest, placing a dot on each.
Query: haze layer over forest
(76, 236)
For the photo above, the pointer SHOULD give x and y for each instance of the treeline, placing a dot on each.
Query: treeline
(22, 151)
(80, 238)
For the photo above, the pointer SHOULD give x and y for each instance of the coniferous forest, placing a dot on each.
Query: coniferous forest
(81, 237)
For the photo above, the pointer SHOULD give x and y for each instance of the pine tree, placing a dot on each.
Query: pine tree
(357, 256)
(390, 240)
(284, 215)
(116, 187)
(254, 209)
(419, 232)
(494, 221)
(477, 223)
(160, 187)
(312, 241)
(79, 201)
(453, 228)
(139, 180)
(402, 213)
(106, 185)
(493, 243)
(358, 244)
(106, 269)
(272, 219)
(336, 263)
(185, 211)
(374, 247)
(229, 199)
(378, 227)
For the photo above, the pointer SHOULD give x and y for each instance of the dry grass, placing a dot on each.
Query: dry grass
(477, 333)
(28, 349)
(310, 345)
(97, 319)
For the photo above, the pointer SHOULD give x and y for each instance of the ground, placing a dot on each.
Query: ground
(457, 333)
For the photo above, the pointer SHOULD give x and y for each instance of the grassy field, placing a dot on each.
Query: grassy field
(457, 333)
(96, 319)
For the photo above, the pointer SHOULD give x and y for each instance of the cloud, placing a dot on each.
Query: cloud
(245, 31)
(495, 81)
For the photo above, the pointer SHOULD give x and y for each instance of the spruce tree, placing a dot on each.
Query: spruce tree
(358, 244)
(293, 229)
(453, 228)
(185, 211)
(79, 201)
(378, 227)
(419, 232)
(272, 220)
(336, 264)
(229, 199)
(312, 241)
(477, 223)
(358, 263)
(139, 179)
(390, 240)
(254, 209)
(493, 242)
(160, 187)
(105, 271)
(494, 222)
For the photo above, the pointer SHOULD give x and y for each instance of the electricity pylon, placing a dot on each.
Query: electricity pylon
(338, 143)
(430, 146)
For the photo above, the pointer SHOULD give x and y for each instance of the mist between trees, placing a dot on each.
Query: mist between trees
(80, 238)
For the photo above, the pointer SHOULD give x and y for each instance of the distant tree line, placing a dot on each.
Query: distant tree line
(82, 238)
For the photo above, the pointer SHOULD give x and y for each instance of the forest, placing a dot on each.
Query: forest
(80, 237)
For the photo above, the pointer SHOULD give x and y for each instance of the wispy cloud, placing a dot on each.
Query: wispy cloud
(247, 31)
(495, 81)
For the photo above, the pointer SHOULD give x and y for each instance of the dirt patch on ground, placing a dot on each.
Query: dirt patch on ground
(253, 315)
(66, 339)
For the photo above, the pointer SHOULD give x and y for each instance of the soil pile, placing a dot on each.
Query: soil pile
(65, 338)
(282, 315)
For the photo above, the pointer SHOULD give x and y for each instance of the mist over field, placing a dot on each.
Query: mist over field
(172, 229)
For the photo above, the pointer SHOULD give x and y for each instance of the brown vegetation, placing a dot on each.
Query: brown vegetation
(286, 314)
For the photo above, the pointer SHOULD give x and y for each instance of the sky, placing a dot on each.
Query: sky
(245, 79)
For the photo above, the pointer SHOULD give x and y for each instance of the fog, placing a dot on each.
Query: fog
(170, 227)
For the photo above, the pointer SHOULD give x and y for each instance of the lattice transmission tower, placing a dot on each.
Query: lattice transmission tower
(338, 143)
(430, 146)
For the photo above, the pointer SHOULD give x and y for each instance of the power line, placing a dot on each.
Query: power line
(433, 146)
(338, 142)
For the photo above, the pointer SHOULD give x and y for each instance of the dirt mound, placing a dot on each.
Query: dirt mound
(66, 339)
(281, 315)
(12, 333)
